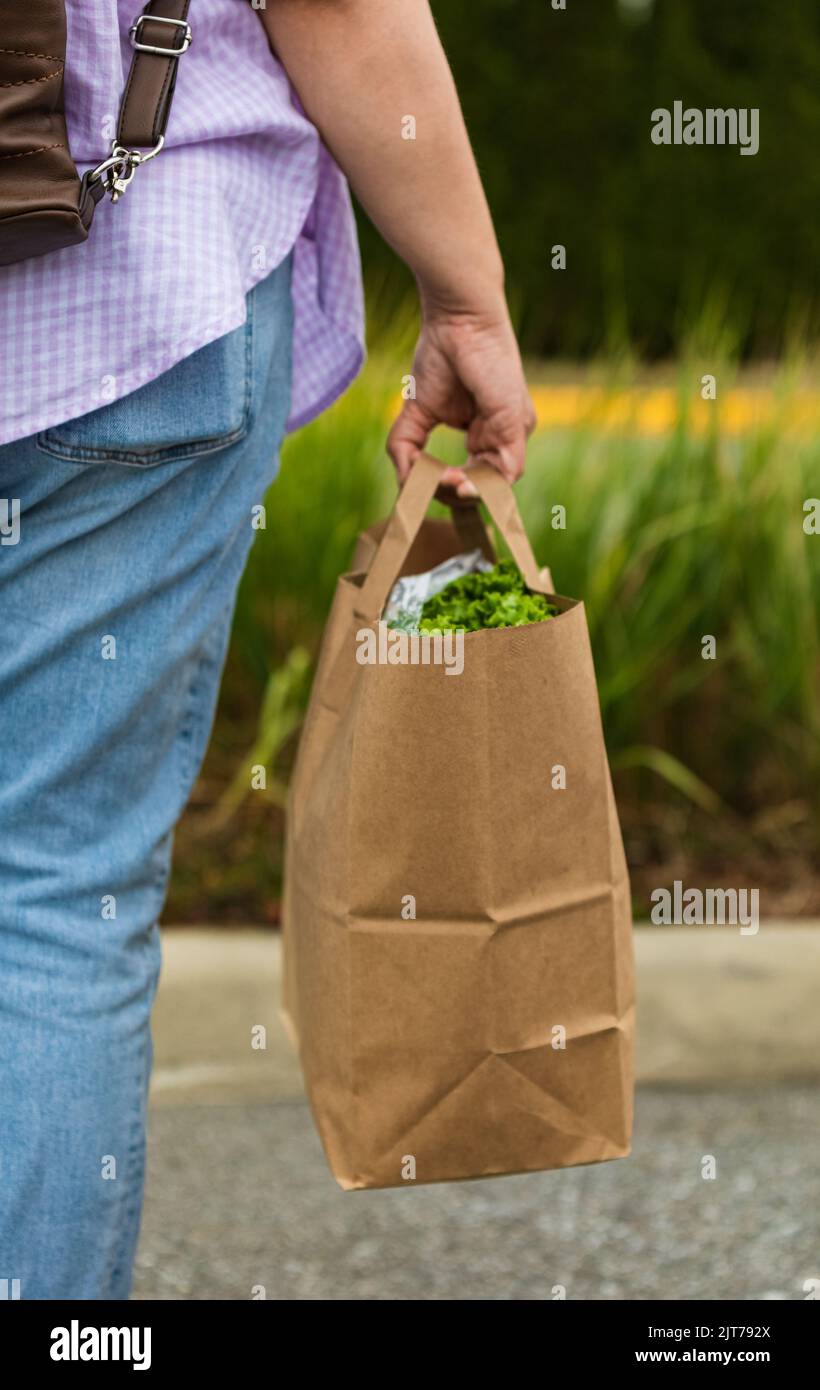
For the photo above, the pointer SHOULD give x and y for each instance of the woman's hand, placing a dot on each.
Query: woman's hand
(468, 374)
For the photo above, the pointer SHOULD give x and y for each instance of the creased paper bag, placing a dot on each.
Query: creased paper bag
(457, 930)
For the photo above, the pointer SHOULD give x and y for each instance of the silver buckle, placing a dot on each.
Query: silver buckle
(134, 35)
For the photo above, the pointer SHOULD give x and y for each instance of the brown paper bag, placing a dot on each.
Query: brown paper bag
(458, 954)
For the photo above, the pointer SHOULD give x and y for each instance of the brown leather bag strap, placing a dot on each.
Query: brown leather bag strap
(159, 36)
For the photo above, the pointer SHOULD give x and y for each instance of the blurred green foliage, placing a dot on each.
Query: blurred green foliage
(558, 104)
(669, 538)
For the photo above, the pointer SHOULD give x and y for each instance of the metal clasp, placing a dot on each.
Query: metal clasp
(134, 35)
(118, 170)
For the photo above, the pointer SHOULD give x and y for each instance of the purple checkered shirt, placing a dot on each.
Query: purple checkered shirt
(243, 179)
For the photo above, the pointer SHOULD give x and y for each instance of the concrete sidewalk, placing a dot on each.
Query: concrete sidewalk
(714, 1007)
(240, 1199)
(240, 1203)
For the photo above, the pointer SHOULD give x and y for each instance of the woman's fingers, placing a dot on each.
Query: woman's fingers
(408, 437)
(472, 380)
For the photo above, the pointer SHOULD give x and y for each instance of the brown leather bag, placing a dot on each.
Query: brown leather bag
(44, 203)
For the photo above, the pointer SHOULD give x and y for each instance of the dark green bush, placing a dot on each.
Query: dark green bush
(558, 104)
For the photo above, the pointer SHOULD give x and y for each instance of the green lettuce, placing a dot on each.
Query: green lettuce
(498, 598)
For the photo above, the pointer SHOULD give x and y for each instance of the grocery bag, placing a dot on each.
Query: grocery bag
(458, 972)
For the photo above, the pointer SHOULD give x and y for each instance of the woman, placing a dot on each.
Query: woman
(148, 378)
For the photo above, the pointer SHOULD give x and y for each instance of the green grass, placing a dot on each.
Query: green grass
(668, 540)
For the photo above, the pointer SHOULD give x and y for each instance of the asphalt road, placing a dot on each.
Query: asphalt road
(239, 1198)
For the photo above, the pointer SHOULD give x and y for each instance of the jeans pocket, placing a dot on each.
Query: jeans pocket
(200, 405)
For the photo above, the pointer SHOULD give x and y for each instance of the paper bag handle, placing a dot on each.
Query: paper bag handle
(409, 513)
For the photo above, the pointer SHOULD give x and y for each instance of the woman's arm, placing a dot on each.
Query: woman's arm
(360, 68)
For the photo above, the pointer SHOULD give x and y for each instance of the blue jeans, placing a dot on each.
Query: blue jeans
(117, 586)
